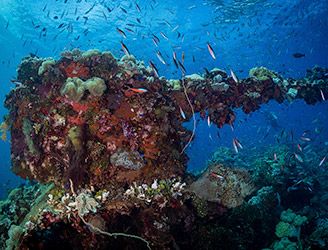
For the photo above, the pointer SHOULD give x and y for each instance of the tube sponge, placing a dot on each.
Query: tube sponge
(96, 86)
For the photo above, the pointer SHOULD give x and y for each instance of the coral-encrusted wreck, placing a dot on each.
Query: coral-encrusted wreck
(108, 129)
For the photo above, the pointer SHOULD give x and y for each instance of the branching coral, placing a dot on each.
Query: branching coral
(166, 189)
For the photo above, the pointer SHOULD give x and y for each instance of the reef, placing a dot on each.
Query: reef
(107, 134)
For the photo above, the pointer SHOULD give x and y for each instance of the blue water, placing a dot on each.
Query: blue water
(244, 34)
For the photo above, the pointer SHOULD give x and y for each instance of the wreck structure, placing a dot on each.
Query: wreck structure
(107, 135)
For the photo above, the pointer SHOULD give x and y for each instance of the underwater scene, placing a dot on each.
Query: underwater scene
(188, 124)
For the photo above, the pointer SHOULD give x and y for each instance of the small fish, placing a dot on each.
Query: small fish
(124, 10)
(298, 157)
(61, 25)
(152, 65)
(108, 9)
(305, 138)
(175, 28)
(298, 55)
(210, 49)
(299, 147)
(155, 42)
(182, 57)
(275, 157)
(322, 161)
(182, 68)
(156, 38)
(121, 32)
(175, 60)
(209, 121)
(138, 8)
(164, 36)
(234, 77)
(216, 176)
(130, 30)
(125, 49)
(183, 115)
(238, 143)
(322, 95)
(160, 57)
(139, 90)
(88, 11)
(232, 127)
(234, 145)
(191, 7)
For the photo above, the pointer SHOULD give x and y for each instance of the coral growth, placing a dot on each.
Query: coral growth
(113, 129)
(227, 186)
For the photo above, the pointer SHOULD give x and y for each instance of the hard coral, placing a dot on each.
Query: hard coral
(226, 186)
(262, 73)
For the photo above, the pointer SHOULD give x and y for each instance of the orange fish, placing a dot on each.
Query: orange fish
(121, 32)
(139, 90)
(125, 49)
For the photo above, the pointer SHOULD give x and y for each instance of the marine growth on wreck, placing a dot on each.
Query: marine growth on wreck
(104, 137)
(110, 147)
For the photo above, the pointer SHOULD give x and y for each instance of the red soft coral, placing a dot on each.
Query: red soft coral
(75, 69)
